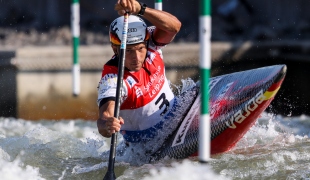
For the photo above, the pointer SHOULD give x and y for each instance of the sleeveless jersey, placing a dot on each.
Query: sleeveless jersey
(146, 94)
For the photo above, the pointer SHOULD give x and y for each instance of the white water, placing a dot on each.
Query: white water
(275, 148)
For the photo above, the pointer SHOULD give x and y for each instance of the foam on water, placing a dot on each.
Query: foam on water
(183, 171)
(15, 170)
(44, 145)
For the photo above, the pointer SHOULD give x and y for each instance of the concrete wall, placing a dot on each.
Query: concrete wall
(48, 95)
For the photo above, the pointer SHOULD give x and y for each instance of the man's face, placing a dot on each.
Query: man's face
(135, 56)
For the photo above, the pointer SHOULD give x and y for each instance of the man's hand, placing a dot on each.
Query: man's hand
(109, 125)
(131, 6)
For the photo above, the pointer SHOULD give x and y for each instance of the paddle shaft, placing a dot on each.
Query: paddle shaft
(110, 175)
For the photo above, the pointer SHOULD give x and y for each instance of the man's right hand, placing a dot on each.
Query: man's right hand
(109, 125)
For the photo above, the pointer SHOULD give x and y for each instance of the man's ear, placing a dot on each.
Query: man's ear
(115, 48)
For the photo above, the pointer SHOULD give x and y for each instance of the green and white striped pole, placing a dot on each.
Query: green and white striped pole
(159, 5)
(205, 68)
(75, 30)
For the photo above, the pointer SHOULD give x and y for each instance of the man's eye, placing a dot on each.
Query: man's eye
(142, 48)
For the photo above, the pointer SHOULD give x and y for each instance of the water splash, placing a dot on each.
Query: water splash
(16, 170)
(183, 170)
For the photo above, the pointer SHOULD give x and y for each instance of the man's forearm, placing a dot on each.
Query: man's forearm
(105, 111)
(162, 20)
(101, 124)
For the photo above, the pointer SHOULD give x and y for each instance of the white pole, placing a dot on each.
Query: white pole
(205, 68)
(75, 28)
(159, 5)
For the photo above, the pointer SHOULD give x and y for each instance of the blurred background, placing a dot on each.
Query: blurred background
(36, 51)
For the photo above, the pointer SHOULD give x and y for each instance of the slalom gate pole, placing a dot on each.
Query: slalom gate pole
(75, 29)
(159, 4)
(121, 64)
(205, 68)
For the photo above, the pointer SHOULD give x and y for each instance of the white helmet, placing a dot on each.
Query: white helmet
(137, 30)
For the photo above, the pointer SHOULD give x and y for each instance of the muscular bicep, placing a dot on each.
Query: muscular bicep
(163, 37)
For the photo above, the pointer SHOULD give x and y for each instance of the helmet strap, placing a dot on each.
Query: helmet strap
(115, 48)
(147, 47)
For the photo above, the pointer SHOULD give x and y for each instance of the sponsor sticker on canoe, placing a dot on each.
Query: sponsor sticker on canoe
(243, 113)
(182, 131)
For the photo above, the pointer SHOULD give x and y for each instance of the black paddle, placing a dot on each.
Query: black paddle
(110, 175)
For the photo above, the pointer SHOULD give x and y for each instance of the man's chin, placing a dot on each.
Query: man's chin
(135, 68)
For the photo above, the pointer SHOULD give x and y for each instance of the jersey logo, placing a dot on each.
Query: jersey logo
(151, 57)
(138, 92)
(108, 81)
(131, 81)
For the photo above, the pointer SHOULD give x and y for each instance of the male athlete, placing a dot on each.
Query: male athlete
(146, 95)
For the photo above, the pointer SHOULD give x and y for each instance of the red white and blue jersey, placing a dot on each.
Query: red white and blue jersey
(146, 94)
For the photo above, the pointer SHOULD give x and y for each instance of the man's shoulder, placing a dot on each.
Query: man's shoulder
(110, 67)
(153, 43)
(112, 62)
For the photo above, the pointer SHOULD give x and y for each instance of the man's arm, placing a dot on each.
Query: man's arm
(167, 25)
(106, 123)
